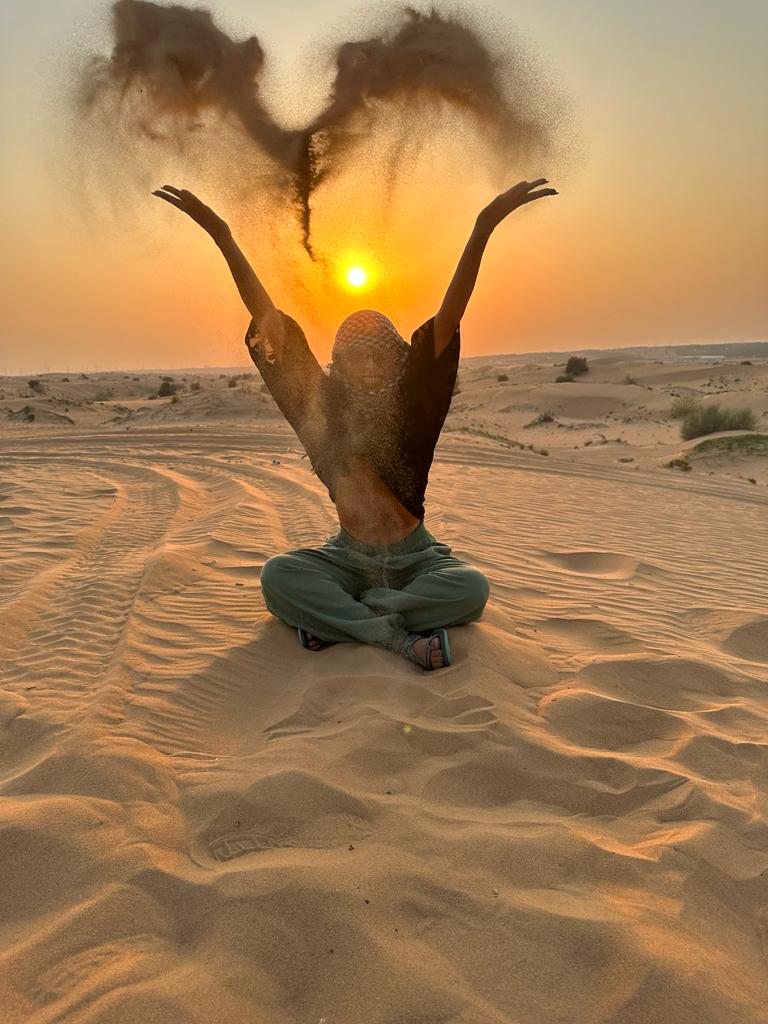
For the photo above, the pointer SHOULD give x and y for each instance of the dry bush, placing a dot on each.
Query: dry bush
(576, 365)
(711, 419)
(684, 406)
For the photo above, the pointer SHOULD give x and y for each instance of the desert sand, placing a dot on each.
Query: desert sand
(201, 822)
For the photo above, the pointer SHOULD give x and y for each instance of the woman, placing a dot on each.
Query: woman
(369, 427)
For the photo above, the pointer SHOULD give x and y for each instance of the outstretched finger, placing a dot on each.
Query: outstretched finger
(539, 181)
(540, 193)
(172, 188)
(172, 199)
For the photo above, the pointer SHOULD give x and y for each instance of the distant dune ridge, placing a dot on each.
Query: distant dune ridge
(199, 821)
(618, 413)
(726, 351)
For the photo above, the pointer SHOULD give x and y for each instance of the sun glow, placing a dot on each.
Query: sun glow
(356, 277)
(357, 271)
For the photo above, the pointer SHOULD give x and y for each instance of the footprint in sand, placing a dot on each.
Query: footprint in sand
(671, 684)
(606, 565)
(749, 641)
(578, 781)
(289, 809)
(600, 723)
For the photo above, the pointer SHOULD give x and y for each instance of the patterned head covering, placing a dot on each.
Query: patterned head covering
(368, 331)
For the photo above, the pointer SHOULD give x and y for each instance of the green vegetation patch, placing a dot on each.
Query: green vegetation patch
(711, 419)
(738, 444)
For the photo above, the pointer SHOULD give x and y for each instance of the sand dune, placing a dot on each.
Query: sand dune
(199, 821)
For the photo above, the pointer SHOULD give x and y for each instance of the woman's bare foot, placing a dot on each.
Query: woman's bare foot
(435, 649)
(426, 651)
(313, 643)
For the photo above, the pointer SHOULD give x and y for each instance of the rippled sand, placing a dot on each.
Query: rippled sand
(199, 821)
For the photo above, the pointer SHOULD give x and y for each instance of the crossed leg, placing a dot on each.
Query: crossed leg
(310, 589)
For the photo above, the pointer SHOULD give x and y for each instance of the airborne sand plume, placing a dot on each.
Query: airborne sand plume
(171, 67)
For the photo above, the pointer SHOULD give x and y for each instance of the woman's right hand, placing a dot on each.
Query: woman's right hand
(195, 208)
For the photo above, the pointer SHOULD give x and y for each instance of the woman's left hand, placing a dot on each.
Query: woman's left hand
(500, 207)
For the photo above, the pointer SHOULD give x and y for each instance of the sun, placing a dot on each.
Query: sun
(356, 277)
(357, 270)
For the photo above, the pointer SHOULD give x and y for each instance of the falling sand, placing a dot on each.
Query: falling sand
(172, 70)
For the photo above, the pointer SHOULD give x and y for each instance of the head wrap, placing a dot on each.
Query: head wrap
(368, 331)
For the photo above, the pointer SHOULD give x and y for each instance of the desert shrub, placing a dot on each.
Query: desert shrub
(683, 464)
(165, 389)
(174, 399)
(65, 380)
(25, 414)
(576, 365)
(195, 385)
(746, 362)
(563, 378)
(629, 380)
(84, 376)
(170, 379)
(711, 418)
(232, 382)
(35, 384)
(103, 396)
(684, 405)
(137, 378)
(543, 417)
(502, 377)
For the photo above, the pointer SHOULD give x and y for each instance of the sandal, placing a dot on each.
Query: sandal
(425, 660)
(304, 636)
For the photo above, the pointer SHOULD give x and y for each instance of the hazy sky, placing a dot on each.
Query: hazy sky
(659, 235)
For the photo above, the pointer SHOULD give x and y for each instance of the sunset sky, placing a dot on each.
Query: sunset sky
(659, 235)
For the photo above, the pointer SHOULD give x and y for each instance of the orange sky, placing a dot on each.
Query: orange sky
(659, 235)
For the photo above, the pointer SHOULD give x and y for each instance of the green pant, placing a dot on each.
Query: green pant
(350, 592)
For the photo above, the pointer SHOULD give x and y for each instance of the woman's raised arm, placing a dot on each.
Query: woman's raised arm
(252, 291)
(448, 317)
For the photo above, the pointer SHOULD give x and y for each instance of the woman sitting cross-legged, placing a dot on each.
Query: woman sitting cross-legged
(369, 426)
